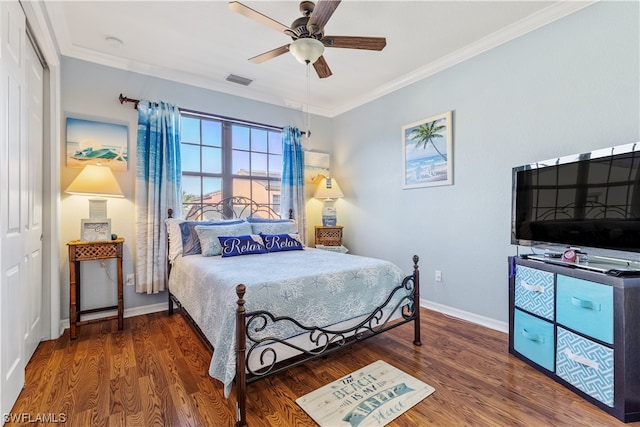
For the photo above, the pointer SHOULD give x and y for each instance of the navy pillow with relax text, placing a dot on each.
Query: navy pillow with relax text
(241, 245)
(281, 242)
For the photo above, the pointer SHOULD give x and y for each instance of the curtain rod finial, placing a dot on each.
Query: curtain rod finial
(124, 99)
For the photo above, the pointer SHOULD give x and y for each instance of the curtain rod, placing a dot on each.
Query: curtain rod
(124, 99)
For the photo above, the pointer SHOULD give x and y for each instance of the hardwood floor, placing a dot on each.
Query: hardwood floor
(154, 372)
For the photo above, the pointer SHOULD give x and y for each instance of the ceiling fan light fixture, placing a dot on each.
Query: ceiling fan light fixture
(306, 50)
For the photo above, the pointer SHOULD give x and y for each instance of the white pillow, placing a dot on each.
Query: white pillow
(208, 235)
(175, 237)
(274, 227)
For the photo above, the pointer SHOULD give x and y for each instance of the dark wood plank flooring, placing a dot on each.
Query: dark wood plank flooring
(154, 373)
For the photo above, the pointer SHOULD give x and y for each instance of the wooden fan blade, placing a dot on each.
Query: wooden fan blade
(257, 16)
(321, 14)
(349, 42)
(322, 68)
(270, 54)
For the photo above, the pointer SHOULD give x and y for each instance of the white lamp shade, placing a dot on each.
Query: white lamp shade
(306, 50)
(328, 188)
(95, 180)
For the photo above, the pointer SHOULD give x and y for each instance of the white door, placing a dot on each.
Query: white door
(20, 201)
(32, 162)
(12, 201)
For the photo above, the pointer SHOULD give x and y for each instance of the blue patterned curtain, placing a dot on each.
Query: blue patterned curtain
(292, 190)
(158, 188)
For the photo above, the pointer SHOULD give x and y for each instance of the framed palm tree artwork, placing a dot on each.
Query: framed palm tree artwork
(427, 152)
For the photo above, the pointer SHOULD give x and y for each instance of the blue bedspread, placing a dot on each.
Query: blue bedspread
(315, 287)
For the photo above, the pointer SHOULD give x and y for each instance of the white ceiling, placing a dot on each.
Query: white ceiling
(202, 42)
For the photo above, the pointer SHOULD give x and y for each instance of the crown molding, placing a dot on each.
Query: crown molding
(533, 22)
(517, 29)
(38, 24)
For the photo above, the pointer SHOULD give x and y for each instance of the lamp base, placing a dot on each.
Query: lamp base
(97, 208)
(329, 217)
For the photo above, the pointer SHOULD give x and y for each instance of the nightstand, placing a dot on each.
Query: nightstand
(329, 236)
(91, 251)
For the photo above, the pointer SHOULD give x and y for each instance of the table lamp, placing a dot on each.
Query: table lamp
(96, 180)
(328, 190)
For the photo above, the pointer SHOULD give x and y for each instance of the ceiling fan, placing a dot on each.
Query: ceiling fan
(308, 36)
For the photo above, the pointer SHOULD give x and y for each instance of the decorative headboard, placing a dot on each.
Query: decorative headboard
(229, 208)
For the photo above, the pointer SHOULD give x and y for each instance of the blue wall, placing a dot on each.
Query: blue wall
(569, 87)
(91, 91)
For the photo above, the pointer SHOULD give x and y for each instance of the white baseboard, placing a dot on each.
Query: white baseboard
(128, 312)
(465, 315)
(440, 308)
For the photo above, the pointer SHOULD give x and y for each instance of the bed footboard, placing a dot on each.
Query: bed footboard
(404, 300)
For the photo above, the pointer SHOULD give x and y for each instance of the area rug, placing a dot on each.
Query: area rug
(372, 396)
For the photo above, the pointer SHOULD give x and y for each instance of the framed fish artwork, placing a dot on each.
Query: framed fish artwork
(92, 142)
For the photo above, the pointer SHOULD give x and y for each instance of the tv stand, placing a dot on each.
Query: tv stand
(579, 327)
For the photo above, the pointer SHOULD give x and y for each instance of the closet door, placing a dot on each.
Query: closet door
(13, 202)
(32, 166)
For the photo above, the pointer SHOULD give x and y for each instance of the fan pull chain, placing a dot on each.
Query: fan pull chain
(308, 100)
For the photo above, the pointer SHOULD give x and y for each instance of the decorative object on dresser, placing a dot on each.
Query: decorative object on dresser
(92, 230)
(580, 327)
(93, 251)
(272, 330)
(329, 190)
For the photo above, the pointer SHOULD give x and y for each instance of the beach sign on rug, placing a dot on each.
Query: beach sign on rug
(372, 396)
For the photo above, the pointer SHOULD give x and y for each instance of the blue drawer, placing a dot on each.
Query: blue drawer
(534, 291)
(586, 365)
(586, 307)
(534, 339)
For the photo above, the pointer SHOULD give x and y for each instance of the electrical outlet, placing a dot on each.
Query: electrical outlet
(131, 280)
(438, 276)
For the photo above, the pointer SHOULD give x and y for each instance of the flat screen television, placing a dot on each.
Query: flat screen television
(589, 200)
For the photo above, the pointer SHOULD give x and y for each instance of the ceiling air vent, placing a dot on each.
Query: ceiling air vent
(239, 80)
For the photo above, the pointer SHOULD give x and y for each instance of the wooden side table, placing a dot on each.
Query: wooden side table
(91, 251)
(329, 236)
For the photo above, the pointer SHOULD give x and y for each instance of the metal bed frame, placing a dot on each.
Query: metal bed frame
(323, 341)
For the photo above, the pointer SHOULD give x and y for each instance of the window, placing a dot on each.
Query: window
(223, 158)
